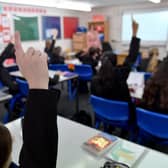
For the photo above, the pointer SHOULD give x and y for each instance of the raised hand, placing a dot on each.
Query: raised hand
(135, 27)
(55, 33)
(32, 64)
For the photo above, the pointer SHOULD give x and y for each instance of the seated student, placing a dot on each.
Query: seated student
(40, 136)
(110, 82)
(49, 45)
(91, 58)
(56, 57)
(92, 39)
(155, 96)
(5, 78)
(150, 63)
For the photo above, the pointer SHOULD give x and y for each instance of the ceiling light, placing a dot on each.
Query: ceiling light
(43, 3)
(74, 6)
(155, 1)
(64, 4)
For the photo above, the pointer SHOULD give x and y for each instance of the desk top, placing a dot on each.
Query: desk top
(73, 61)
(62, 78)
(70, 153)
(4, 96)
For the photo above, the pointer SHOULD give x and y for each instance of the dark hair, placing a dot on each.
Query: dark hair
(106, 72)
(111, 56)
(156, 90)
(5, 145)
(57, 51)
(92, 51)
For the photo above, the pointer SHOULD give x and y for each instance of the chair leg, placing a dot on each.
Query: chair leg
(97, 124)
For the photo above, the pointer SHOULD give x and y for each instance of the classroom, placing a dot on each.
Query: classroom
(84, 84)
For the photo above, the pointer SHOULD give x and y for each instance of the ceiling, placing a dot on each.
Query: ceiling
(101, 3)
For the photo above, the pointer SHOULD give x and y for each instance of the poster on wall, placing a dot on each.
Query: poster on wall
(70, 26)
(28, 28)
(49, 23)
(5, 29)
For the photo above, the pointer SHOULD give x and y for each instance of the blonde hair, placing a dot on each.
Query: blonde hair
(154, 53)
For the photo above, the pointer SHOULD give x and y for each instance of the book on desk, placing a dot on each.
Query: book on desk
(127, 153)
(99, 144)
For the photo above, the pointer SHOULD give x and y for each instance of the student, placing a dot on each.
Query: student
(150, 63)
(155, 96)
(40, 136)
(49, 45)
(110, 82)
(92, 39)
(56, 57)
(5, 78)
(91, 58)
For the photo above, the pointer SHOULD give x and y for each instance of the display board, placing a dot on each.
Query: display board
(28, 28)
(70, 26)
(48, 24)
(153, 26)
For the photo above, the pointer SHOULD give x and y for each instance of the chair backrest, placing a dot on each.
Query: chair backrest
(109, 109)
(23, 87)
(153, 123)
(58, 67)
(84, 71)
(1, 85)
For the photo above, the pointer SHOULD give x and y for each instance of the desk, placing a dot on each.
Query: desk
(4, 96)
(62, 78)
(70, 153)
(73, 61)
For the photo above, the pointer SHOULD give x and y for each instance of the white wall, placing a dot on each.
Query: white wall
(114, 14)
(64, 43)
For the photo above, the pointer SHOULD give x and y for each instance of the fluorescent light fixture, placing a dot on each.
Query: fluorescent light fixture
(81, 6)
(155, 1)
(42, 3)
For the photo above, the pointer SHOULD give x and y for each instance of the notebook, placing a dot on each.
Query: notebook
(126, 152)
(99, 144)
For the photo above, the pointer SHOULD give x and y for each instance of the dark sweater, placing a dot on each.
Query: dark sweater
(117, 88)
(40, 134)
(50, 50)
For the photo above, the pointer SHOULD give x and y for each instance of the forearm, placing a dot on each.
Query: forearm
(133, 51)
(40, 136)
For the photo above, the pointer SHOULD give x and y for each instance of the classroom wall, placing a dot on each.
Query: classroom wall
(64, 43)
(114, 14)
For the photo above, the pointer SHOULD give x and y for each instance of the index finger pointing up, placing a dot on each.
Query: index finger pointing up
(18, 46)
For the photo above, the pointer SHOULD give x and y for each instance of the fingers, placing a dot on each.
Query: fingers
(30, 51)
(37, 53)
(18, 47)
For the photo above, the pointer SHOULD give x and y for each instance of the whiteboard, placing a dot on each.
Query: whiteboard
(153, 26)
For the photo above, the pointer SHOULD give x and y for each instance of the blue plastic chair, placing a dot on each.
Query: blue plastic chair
(18, 99)
(152, 126)
(109, 112)
(64, 67)
(58, 67)
(23, 93)
(85, 72)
